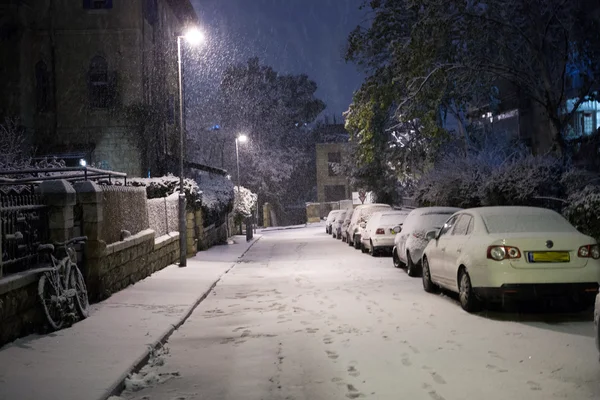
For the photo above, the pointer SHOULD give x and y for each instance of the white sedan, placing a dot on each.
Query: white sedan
(379, 232)
(494, 253)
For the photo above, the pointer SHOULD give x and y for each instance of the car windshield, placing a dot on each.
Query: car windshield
(523, 222)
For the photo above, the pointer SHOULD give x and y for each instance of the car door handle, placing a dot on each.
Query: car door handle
(459, 251)
(443, 249)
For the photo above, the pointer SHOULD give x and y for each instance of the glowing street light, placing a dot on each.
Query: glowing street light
(194, 37)
(242, 138)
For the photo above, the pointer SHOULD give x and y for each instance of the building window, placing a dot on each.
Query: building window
(97, 4)
(334, 161)
(42, 86)
(171, 110)
(98, 83)
(588, 123)
(335, 192)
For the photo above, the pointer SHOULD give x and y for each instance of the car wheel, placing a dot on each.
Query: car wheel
(363, 249)
(356, 244)
(428, 284)
(412, 269)
(396, 259)
(468, 300)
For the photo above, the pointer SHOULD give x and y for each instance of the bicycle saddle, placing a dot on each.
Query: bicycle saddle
(46, 248)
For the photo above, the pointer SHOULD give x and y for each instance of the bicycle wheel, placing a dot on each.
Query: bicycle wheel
(76, 281)
(49, 293)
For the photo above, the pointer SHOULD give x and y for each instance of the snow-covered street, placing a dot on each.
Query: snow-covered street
(303, 316)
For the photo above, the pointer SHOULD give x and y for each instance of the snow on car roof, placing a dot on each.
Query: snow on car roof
(520, 219)
(436, 210)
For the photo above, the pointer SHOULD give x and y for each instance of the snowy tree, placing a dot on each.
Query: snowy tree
(274, 111)
(12, 145)
(244, 202)
(453, 53)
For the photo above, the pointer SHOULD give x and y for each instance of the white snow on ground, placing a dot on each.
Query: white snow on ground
(87, 359)
(304, 316)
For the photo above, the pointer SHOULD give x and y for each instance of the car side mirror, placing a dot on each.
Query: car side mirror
(363, 225)
(431, 235)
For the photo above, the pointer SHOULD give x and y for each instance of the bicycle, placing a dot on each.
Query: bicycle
(61, 288)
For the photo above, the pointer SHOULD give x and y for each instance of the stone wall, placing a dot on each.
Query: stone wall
(123, 208)
(163, 215)
(20, 310)
(131, 260)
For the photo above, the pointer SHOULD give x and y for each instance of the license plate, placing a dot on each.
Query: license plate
(549, 256)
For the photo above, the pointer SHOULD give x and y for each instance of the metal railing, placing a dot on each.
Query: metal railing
(23, 227)
(38, 175)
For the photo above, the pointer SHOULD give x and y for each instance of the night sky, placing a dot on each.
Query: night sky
(292, 36)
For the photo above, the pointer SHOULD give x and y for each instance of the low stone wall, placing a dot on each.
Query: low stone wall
(126, 262)
(20, 310)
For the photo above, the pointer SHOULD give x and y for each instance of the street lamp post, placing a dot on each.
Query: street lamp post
(241, 139)
(193, 36)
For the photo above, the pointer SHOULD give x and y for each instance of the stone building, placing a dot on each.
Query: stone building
(331, 184)
(83, 77)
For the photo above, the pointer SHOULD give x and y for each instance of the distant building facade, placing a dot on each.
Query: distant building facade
(71, 68)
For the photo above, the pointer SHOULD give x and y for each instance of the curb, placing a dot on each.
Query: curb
(116, 388)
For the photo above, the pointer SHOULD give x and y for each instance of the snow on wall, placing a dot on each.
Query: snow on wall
(123, 208)
(163, 215)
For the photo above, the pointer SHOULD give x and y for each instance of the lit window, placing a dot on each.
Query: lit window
(588, 124)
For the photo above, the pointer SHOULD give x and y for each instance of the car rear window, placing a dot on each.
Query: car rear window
(525, 223)
(393, 219)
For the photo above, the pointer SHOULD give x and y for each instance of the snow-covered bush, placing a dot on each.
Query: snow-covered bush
(583, 210)
(520, 180)
(455, 182)
(165, 186)
(244, 203)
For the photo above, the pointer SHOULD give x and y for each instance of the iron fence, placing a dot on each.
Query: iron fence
(24, 226)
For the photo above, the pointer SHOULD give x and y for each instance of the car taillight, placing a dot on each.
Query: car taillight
(380, 231)
(589, 251)
(500, 253)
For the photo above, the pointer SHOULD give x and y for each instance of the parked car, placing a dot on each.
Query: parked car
(495, 253)
(336, 225)
(344, 227)
(330, 218)
(378, 234)
(597, 320)
(361, 214)
(410, 241)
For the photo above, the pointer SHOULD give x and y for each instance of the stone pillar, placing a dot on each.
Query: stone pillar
(266, 215)
(90, 198)
(60, 198)
(191, 234)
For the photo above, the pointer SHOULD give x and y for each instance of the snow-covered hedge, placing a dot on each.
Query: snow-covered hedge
(519, 181)
(583, 210)
(480, 180)
(165, 186)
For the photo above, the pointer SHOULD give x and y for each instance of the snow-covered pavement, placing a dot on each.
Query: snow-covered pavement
(303, 316)
(90, 359)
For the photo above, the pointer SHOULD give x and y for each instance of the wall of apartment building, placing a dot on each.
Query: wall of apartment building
(140, 55)
(324, 177)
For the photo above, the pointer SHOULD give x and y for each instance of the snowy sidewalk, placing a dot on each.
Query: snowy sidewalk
(90, 359)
